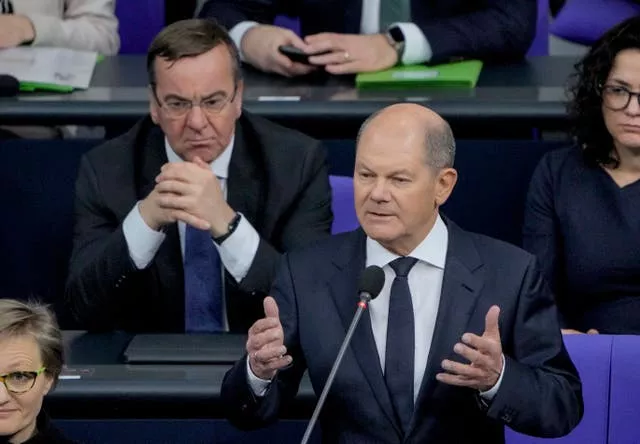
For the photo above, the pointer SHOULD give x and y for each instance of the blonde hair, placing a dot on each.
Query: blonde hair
(36, 320)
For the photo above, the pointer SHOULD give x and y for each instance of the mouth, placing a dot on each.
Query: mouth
(378, 214)
(632, 128)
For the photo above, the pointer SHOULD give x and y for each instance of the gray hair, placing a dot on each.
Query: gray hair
(36, 320)
(440, 145)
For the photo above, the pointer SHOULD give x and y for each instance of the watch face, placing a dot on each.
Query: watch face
(396, 34)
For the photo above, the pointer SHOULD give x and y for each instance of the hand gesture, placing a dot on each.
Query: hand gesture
(484, 354)
(259, 47)
(265, 345)
(351, 53)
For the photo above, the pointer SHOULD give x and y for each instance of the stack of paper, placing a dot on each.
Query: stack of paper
(458, 74)
(54, 69)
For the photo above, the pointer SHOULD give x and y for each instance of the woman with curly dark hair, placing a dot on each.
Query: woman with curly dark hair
(582, 215)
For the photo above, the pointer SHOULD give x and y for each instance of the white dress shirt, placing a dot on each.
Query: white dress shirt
(425, 284)
(236, 252)
(416, 48)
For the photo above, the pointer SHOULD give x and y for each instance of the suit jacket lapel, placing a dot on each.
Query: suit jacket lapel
(461, 287)
(350, 262)
(244, 178)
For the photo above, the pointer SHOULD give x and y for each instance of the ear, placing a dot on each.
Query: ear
(48, 383)
(445, 181)
(153, 106)
(237, 102)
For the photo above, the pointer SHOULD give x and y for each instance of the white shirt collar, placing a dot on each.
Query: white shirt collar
(432, 249)
(219, 166)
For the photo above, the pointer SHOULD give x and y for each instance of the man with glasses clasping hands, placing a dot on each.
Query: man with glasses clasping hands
(180, 222)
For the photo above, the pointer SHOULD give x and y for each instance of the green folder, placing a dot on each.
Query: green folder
(459, 74)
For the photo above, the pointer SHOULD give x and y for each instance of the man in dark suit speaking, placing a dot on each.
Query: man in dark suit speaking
(181, 221)
(463, 339)
(370, 35)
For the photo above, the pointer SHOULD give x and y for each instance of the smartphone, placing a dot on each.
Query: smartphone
(297, 55)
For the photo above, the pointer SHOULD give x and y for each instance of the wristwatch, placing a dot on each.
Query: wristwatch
(230, 229)
(395, 37)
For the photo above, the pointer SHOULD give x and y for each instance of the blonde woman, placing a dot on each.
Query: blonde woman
(30, 362)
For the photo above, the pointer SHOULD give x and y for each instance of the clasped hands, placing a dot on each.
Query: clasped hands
(187, 192)
(344, 53)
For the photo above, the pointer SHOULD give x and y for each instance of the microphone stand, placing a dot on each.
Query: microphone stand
(362, 306)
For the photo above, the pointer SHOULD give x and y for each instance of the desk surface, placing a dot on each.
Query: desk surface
(531, 90)
(97, 384)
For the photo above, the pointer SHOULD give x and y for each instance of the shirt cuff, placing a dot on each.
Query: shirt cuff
(238, 250)
(142, 241)
(237, 33)
(258, 386)
(491, 393)
(416, 46)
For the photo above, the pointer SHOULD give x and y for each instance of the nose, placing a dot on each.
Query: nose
(5, 397)
(196, 119)
(380, 191)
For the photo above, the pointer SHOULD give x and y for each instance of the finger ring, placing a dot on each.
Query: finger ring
(346, 55)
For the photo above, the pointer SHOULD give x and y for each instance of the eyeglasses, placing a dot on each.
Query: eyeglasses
(20, 382)
(176, 108)
(617, 98)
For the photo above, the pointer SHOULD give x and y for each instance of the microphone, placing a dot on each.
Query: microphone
(9, 86)
(371, 283)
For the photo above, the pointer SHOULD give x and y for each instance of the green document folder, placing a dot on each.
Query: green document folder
(459, 74)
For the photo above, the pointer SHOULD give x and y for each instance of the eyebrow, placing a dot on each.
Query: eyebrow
(184, 99)
(621, 82)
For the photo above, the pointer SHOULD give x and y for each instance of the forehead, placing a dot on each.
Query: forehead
(18, 352)
(626, 66)
(212, 69)
(392, 149)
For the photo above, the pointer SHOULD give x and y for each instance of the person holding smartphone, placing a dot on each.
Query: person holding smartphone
(352, 36)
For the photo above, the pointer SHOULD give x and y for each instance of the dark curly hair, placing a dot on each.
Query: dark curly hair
(585, 106)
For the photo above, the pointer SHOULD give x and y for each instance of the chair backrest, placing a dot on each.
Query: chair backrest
(585, 21)
(624, 415)
(140, 21)
(36, 193)
(344, 213)
(592, 357)
(540, 44)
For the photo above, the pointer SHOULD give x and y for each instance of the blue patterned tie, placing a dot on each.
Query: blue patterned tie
(202, 282)
(399, 356)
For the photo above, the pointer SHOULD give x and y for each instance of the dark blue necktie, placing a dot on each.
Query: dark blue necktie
(399, 356)
(202, 282)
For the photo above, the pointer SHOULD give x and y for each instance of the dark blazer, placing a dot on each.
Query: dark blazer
(490, 29)
(277, 179)
(47, 433)
(316, 291)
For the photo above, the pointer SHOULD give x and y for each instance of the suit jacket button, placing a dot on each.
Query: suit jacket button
(244, 407)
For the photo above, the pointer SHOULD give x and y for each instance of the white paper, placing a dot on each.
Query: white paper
(55, 66)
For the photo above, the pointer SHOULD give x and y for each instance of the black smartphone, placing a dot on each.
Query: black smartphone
(297, 55)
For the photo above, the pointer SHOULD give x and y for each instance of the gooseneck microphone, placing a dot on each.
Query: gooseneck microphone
(9, 86)
(371, 283)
